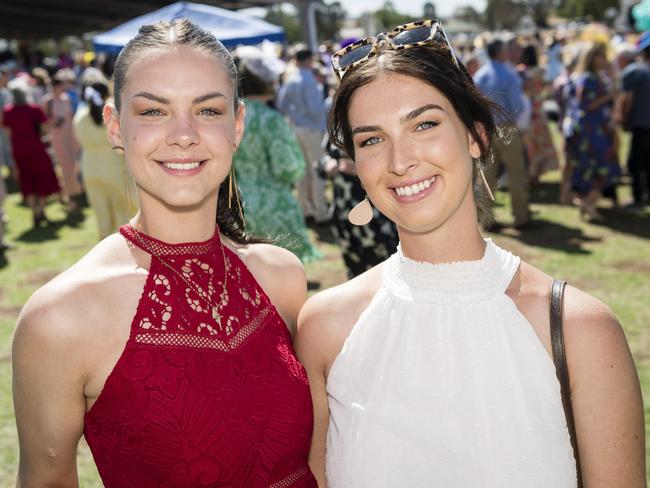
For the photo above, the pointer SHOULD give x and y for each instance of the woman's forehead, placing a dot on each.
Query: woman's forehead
(178, 69)
(395, 91)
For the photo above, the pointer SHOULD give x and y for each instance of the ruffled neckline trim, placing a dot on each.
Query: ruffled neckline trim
(455, 282)
(157, 247)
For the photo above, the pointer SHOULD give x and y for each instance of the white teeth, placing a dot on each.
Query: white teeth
(415, 188)
(183, 166)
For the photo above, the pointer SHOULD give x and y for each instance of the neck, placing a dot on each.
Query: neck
(174, 225)
(458, 239)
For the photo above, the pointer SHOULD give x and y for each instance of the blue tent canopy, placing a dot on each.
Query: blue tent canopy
(231, 28)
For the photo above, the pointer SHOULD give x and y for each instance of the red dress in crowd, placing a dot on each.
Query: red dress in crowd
(35, 170)
(193, 402)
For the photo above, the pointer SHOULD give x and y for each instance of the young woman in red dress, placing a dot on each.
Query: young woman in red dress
(168, 346)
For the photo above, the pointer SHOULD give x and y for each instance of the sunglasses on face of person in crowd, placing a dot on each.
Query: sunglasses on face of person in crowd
(403, 36)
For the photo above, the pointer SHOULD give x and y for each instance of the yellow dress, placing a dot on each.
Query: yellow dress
(105, 178)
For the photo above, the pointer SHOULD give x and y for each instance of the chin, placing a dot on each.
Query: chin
(185, 200)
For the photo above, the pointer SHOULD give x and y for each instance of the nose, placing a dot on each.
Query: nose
(402, 158)
(182, 133)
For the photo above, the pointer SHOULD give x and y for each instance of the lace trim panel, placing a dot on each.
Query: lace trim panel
(161, 248)
(291, 479)
(204, 342)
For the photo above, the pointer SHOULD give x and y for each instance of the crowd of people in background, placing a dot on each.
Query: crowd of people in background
(592, 83)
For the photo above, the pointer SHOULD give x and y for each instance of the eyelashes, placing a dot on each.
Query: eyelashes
(151, 112)
(369, 142)
(427, 124)
(422, 126)
(208, 112)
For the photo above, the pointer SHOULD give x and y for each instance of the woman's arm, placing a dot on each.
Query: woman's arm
(588, 98)
(311, 344)
(48, 394)
(606, 395)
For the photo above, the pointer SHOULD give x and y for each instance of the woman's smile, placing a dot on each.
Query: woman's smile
(414, 191)
(187, 166)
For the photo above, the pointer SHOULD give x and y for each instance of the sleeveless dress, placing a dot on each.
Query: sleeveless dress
(443, 383)
(194, 404)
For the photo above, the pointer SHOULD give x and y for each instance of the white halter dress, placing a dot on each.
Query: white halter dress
(444, 383)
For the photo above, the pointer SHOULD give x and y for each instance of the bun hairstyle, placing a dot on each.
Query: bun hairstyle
(95, 96)
(433, 65)
(183, 32)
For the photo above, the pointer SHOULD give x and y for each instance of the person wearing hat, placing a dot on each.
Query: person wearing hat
(635, 116)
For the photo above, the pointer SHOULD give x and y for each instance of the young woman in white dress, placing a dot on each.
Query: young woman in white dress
(435, 369)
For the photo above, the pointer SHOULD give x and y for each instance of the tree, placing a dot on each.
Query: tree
(468, 14)
(329, 19)
(288, 21)
(586, 8)
(504, 14)
(429, 11)
(388, 17)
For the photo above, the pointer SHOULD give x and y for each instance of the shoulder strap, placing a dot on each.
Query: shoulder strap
(561, 369)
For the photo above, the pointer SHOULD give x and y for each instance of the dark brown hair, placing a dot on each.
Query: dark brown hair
(183, 32)
(434, 66)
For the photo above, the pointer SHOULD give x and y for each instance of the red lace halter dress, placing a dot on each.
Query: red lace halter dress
(191, 403)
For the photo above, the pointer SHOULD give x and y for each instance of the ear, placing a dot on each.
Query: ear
(473, 146)
(240, 122)
(112, 123)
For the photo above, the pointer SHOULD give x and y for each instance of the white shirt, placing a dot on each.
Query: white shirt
(444, 383)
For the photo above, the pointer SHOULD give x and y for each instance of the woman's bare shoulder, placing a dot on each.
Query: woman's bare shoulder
(280, 274)
(266, 258)
(589, 325)
(583, 314)
(69, 301)
(328, 317)
(344, 300)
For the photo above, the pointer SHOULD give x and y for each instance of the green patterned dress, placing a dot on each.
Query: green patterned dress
(268, 164)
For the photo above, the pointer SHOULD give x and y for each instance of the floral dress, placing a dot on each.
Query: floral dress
(542, 156)
(268, 164)
(593, 143)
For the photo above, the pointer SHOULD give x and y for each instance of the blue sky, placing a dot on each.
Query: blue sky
(444, 7)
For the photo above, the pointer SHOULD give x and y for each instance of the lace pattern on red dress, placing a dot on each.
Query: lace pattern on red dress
(187, 321)
(192, 402)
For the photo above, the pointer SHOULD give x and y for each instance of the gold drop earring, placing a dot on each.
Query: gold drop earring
(232, 188)
(483, 178)
(125, 179)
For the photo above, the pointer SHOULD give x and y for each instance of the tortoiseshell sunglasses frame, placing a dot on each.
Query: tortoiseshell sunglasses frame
(388, 38)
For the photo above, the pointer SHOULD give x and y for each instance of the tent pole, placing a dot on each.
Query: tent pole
(308, 17)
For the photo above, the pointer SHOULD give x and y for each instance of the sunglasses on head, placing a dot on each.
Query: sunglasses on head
(403, 36)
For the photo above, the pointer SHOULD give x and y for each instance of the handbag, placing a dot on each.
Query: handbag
(561, 369)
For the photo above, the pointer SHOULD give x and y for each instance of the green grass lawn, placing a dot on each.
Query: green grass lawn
(610, 261)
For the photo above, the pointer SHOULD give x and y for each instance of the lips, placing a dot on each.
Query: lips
(182, 166)
(415, 188)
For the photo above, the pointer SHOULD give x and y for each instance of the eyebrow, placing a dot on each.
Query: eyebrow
(366, 128)
(409, 116)
(419, 111)
(165, 101)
